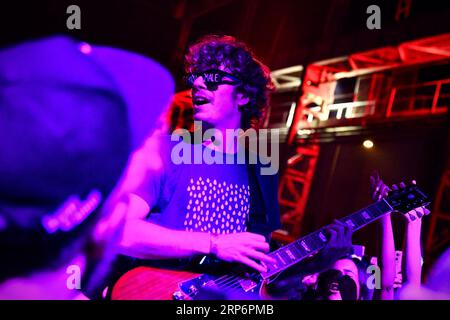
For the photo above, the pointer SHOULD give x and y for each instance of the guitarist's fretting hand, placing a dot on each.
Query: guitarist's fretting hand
(288, 284)
(246, 248)
(340, 237)
(339, 243)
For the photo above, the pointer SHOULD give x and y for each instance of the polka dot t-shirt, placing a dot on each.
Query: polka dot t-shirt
(216, 206)
(212, 198)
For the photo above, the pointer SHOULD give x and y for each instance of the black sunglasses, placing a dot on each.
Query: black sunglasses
(212, 78)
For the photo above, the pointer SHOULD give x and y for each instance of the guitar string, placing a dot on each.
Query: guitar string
(224, 282)
(235, 282)
(228, 282)
(232, 282)
(224, 278)
(229, 289)
(230, 286)
(233, 285)
(231, 277)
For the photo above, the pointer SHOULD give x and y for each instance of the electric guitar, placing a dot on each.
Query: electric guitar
(148, 283)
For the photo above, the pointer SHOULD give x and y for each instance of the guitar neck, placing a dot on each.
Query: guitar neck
(296, 251)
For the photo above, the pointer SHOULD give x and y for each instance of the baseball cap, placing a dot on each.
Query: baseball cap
(67, 128)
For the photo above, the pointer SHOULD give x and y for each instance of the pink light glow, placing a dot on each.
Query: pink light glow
(85, 48)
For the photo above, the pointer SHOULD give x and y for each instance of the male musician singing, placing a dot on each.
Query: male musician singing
(226, 209)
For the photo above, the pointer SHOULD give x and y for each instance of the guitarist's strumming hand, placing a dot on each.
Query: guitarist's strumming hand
(246, 248)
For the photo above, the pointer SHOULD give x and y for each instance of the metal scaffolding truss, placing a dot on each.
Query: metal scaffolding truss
(376, 96)
(287, 79)
(408, 53)
(383, 99)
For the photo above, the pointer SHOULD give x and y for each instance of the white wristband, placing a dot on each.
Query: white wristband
(213, 244)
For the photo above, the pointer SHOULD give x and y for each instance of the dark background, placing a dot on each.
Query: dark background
(282, 33)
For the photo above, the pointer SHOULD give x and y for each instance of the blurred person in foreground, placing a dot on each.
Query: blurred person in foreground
(177, 212)
(66, 134)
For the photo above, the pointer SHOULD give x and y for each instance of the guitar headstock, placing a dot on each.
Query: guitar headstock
(407, 199)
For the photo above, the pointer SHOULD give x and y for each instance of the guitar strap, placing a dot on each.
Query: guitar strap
(264, 208)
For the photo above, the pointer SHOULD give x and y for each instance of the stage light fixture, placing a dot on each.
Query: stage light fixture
(368, 144)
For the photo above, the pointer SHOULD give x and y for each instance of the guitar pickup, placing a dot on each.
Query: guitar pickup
(247, 284)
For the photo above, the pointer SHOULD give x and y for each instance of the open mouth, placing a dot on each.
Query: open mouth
(334, 287)
(199, 100)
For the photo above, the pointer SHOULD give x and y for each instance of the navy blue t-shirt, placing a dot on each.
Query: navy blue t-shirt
(215, 198)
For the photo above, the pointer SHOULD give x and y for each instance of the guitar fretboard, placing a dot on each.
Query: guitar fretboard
(294, 252)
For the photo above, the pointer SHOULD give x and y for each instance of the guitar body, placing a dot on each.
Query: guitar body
(148, 283)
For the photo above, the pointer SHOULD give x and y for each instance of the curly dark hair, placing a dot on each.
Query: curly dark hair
(214, 51)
